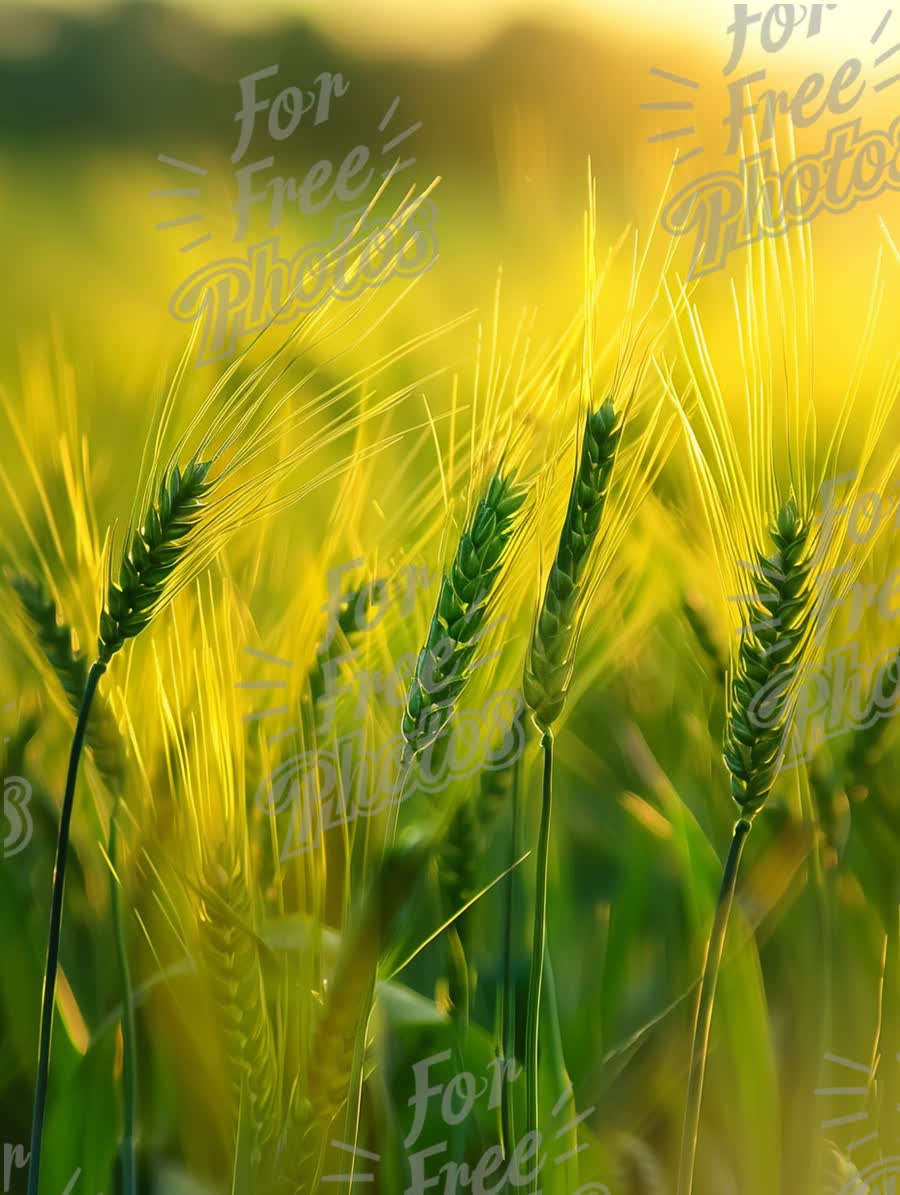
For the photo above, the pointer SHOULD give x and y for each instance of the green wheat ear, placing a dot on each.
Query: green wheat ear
(346, 623)
(460, 852)
(150, 560)
(231, 952)
(56, 641)
(468, 837)
(866, 745)
(781, 610)
(342, 1023)
(548, 671)
(442, 668)
(694, 611)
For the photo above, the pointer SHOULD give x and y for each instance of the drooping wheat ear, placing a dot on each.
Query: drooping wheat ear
(470, 827)
(56, 641)
(347, 626)
(548, 671)
(837, 1172)
(864, 749)
(781, 609)
(458, 873)
(469, 833)
(466, 841)
(231, 952)
(494, 792)
(695, 612)
(638, 1169)
(15, 746)
(459, 857)
(349, 1001)
(442, 668)
(152, 556)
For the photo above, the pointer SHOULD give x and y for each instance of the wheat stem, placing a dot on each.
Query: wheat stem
(57, 642)
(549, 665)
(536, 977)
(705, 1003)
(59, 878)
(129, 1030)
(508, 1005)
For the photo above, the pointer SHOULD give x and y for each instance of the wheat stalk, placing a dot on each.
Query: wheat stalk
(147, 565)
(57, 641)
(592, 531)
(765, 463)
(549, 666)
(781, 607)
(783, 620)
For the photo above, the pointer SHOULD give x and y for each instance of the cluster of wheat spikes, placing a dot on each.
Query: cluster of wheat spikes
(569, 449)
(181, 521)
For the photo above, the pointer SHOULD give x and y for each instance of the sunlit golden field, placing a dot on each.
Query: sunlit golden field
(429, 653)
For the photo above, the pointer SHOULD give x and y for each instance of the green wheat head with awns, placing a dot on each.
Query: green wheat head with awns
(781, 607)
(549, 668)
(443, 665)
(152, 556)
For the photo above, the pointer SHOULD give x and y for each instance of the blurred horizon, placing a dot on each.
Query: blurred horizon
(446, 29)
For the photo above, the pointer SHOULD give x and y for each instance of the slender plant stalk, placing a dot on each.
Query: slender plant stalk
(58, 644)
(148, 564)
(548, 671)
(705, 1004)
(780, 611)
(536, 978)
(56, 905)
(508, 1006)
(129, 1029)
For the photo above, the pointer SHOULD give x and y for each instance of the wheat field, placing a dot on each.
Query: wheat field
(448, 724)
